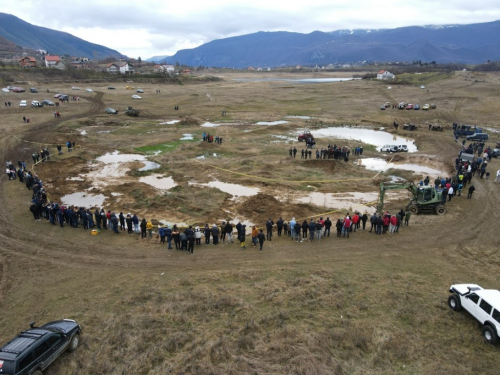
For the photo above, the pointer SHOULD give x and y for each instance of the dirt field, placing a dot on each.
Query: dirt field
(364, 305)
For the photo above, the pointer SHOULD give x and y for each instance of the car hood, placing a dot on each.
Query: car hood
(64, 325)
(464, 288)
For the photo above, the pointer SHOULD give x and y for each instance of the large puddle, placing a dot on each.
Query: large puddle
(234, 189)
(82, 199)
(372, 137)
(158, 181)
(377, 164)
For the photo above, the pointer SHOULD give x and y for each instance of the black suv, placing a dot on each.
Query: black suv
(32, 351)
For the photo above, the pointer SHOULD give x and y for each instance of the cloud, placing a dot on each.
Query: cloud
(157, 27)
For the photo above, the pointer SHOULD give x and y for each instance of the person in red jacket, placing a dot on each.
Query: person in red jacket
(346, 227)
(355, 222)
(385, 223)
(393, 222)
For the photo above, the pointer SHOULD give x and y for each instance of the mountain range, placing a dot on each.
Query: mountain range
(467, 44)
(55, 42)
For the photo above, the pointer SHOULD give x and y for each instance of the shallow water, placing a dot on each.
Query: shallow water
(83, 199)
(234, 189)
(187, 137)
(149, 165)
(270, 123)
(370, 136)
(209, 125)
(158, 181)
(171, 122)
(378, 164)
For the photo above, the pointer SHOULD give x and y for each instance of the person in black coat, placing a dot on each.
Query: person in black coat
(269, 227)
(279, 225)
(261, 237)
(364, 219)
(207, 232)
(328, 225)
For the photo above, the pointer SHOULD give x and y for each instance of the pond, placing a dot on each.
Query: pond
(158, 181)
(378, 164)
(234, 189)
(369, 136)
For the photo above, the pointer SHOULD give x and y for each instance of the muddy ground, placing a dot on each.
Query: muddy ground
(367, 304)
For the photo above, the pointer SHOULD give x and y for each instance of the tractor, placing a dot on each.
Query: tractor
(424, 198)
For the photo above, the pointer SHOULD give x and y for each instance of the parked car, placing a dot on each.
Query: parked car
(89, 90)
(382, 107)
(482, 304)
(33, 350)
(57, 95)
(47, 102)
(111, 88)
(63, 97)
(409, 106)
(36, 103)
(495, 153)
(140, 91)
(5, 89)
(75, 88)
(389, 148)
(136, 97)
(426, 107)
(33, 90)
(478, 137)
(416, 107)
(111, 111)
(23, 103)
(18, 89)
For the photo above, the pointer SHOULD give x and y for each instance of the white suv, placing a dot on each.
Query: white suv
(482, 304)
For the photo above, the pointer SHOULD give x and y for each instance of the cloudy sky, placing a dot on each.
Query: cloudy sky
(159, 27)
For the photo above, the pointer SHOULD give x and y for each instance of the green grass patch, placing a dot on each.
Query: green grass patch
(162, 148)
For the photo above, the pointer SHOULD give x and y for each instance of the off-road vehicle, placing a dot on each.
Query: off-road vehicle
(33, 350)
(482, 304)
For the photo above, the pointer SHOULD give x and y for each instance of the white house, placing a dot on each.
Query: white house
(384, 74)
(165, 68)
(53, 62)
(126, 68)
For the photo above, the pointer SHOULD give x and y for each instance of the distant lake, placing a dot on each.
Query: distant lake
(305, 80)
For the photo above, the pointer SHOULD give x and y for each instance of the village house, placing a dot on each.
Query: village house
(126, 68)
(53, 61)
(164, 68)
(112, 68)
(384, 74)
(27, 62)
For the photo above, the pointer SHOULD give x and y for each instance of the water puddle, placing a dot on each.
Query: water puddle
(187, 137)
(234, 189)
(377, 164)
(158, 181)
(213, 154)
(373, 137)
(74, 179)
(82, 199)
(149, 165)
(209, 125)
(270, 123)
(171, 122)
(83, 132)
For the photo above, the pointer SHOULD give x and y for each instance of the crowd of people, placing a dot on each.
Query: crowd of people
(330, 152)
(211, 139)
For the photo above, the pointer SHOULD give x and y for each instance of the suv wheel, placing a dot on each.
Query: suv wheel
(75, 340)
(37, 372)
(454, 302)
(490, 334)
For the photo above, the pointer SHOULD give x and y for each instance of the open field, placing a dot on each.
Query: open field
(364, 305)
